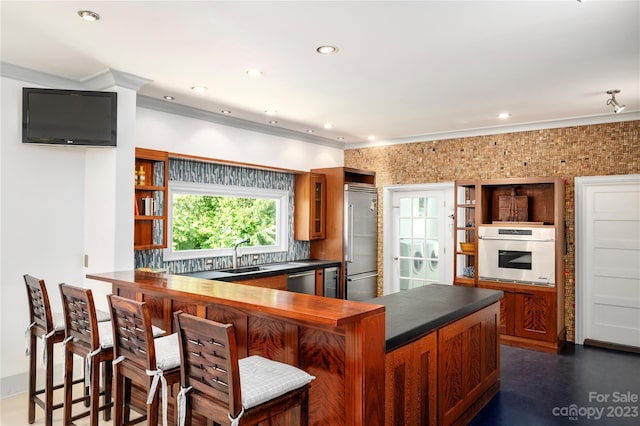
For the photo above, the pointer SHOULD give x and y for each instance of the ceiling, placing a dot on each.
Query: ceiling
(404, 71)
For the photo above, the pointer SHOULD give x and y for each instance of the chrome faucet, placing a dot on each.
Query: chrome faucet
(235, 252)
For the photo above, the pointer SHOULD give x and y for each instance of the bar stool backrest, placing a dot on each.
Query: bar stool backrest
(132, 335)
(80, 316)
(39, 307)
(209, 359)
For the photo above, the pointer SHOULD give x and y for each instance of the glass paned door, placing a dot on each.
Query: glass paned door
(420, 227)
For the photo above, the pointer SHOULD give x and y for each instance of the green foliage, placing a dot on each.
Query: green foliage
(212, 222)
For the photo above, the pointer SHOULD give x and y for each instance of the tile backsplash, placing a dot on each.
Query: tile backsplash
(185, 170)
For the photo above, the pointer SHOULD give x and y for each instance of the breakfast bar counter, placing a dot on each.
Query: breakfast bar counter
(339, 342)
(424, 356)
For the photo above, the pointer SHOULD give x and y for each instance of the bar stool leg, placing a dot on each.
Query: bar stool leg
(152, 409)
(33, 347)
(118, 399)
(48, 405)
(107, 379)
(94, 393)
(68, 386)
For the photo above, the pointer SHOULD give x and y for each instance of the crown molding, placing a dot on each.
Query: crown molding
(99, 81)
(28, 75)
(110, 77)
(497, 130)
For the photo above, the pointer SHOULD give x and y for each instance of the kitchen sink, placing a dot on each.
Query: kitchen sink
(241, 270)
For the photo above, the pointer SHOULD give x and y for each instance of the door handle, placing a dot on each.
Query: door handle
(363, 277)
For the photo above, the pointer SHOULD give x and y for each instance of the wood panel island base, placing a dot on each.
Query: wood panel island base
(443, 354)
(343, 344)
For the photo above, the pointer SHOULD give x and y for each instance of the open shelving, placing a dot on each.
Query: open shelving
(150, 227)
(466, 219)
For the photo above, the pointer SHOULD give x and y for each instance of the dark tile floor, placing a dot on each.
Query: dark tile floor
(582, 385)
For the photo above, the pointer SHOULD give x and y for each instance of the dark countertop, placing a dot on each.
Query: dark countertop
(266, 270)
(414, 313)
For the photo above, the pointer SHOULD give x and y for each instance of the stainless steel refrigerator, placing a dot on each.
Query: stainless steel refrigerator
(360, 241)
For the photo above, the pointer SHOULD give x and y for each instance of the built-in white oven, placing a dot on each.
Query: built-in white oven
(517, 254)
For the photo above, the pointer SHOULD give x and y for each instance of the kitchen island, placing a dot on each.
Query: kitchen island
(340, 342)
(442, 353)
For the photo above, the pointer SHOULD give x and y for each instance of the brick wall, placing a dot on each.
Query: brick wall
(594, 150)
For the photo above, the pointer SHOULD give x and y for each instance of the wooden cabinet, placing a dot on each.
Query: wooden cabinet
(310, 206)
(507, 306)
(411, 383)
(529, 316)
(468, 365)
(535, 315)
(447, 376)
(278, 282)
(150, 210)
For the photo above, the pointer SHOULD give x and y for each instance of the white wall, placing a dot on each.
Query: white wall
(184, 135)
(41, 230)
(108, 201)
(60, 203)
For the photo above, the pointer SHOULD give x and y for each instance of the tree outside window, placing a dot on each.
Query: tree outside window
(208, 220)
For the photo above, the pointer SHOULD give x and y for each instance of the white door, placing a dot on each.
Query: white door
(608, 259)
(420, 235)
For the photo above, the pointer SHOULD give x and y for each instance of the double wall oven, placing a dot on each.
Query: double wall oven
(524, 255)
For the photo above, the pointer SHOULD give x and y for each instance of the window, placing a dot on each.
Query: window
(208, 220)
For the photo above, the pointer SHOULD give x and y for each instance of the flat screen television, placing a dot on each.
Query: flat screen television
(69, 117)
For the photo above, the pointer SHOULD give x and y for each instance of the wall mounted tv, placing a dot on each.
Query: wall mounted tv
(69, 117)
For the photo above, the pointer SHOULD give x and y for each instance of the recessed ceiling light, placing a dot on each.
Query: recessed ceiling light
(327, 50)
(253, 72)
(273, 122)
(328, 126)
(371, 137)
(88, 15)
(504, 115)
(169, 98)
(225, 111)
(270, 111)
(340, 138)
(309, 131)
(199, 89)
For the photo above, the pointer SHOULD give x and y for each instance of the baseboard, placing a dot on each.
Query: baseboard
(612, 346)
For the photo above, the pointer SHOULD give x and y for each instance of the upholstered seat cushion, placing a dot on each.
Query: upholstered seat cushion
(105, 332)
(102, 316)
(58, 321)
(167, 352)
(262, 379)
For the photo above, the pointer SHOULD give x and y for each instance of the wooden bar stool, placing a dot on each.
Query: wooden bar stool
(141, 359)
(49, 327)
(42, 327)
(222, 388)
(93, 342)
